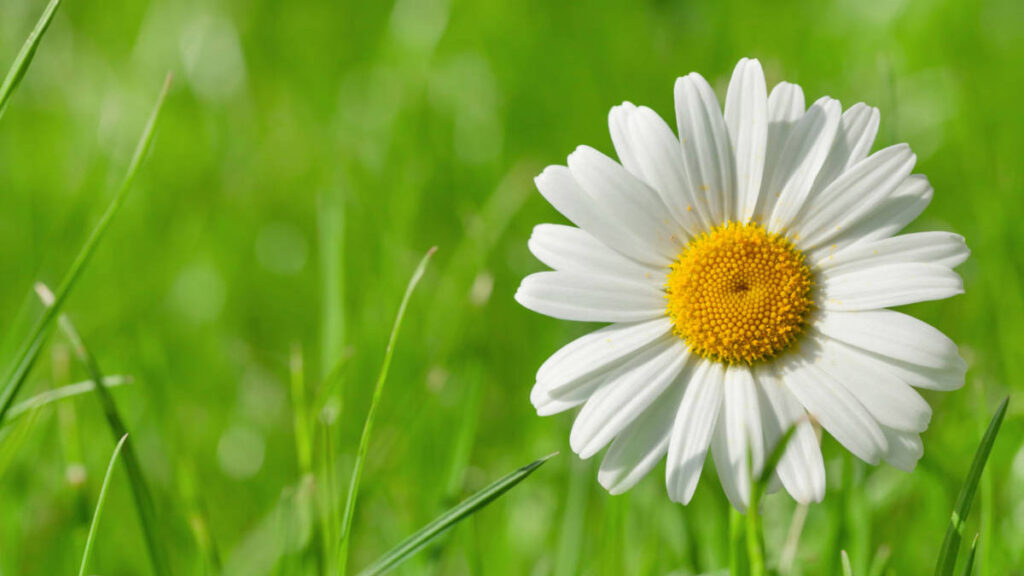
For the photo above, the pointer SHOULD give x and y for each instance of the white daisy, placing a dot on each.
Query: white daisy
(745, 268)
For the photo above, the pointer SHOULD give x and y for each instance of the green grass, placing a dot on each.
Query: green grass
(307, 155)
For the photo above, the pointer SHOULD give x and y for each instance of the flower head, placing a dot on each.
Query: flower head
(745, 265)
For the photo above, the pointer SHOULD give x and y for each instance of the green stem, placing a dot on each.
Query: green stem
(364, 439)
(755, 535)
(737, 549)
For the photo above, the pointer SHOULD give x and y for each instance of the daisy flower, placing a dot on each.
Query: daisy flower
(745, 265)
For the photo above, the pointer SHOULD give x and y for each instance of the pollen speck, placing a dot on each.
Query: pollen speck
(739, 294)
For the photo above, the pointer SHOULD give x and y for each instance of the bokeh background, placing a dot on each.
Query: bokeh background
(311, 152)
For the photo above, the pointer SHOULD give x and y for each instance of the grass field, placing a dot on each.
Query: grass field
(310, 153)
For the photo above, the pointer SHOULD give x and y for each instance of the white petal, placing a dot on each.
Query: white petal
(587, 298)
(831, 404)
(802, 468)
(942, 248)
(892, 335)
(570, 249)
(884, 219)
(649, 149)
(692, 430)
(889, 401)
(889, 285)
(707, 155)
(597, 351)
(616, 404)
(855, 193)
(945, 379)
(905, 449)
(785, 108)
(546, 404)
(738, 436)
(857, 131)
(746, 117)
(801, 159)
(642, 445)
(559, 187)
(634, 204)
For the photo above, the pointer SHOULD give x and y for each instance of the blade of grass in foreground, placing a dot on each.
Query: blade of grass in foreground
(969, 564)
(364, 440)
(24, 58)
(99, 506)
(29, 351)
(468, 507)
(951, 543)
(844, 558)
(137, 481)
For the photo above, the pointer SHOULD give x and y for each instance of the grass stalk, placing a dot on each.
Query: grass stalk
(364, 440)
(140, 489)
(465, 509)
(57, 394)
(958, 521)
(24, 58)
(844, 561)
(29, 352)
(331, 247)
(99, 506)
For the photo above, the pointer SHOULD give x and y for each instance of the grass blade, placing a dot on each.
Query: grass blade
(58, 394)
(951, 543)
(468, 507)
(969, 564)
(364, 440)
(845, 560)
(137, 481)
(29, 351)
(99, 506)
(24, 58)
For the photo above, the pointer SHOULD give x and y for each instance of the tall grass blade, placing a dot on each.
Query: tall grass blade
(24, 58)
(331, 247)
(62, 393)
(845, 561)
(364, 440)
(954, 532)
(969, 563)
(880, 563)
(137, 481)
(29, 351)
(99, 506)
(468, 507)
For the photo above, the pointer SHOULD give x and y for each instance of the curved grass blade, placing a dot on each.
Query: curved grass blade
(29, 351)
(58, 394)
(466, 508)
(140, 489)
(24, 58)
(99, 506)
(364, 440)
(951, 543)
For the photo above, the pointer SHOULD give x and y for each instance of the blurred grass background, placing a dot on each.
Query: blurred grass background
(310, 153)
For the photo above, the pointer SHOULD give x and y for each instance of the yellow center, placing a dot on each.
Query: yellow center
(739, 293)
